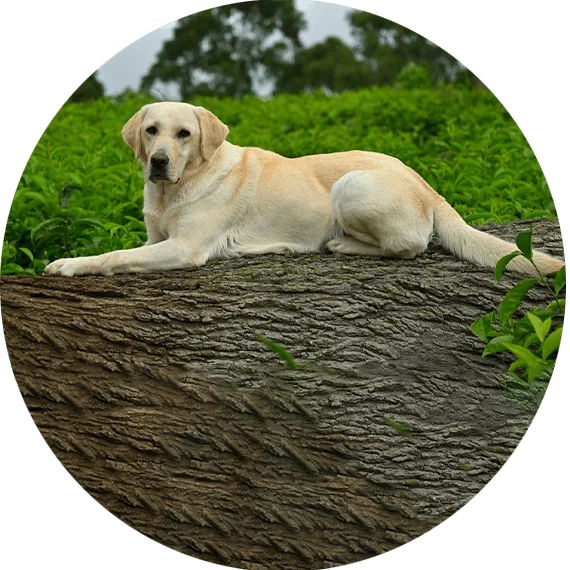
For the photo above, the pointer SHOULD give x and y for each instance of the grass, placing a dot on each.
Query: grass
(81, 191)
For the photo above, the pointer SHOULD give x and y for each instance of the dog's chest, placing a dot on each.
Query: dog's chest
(155, 206)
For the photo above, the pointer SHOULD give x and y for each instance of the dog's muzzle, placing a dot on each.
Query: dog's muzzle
(158, 163)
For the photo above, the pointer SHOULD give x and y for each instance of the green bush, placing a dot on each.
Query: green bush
(533, 338)
(81, 191)
(413, 76)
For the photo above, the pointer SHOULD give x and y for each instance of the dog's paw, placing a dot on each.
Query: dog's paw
(69, 267)
(60, 267)
(336, 245)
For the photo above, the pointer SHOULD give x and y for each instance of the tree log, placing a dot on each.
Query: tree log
(156, 395)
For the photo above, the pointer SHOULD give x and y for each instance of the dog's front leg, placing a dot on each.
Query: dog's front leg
(162, 256)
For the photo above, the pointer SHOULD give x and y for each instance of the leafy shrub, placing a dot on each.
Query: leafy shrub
(81, 191)
(413, 76)
(534, 338)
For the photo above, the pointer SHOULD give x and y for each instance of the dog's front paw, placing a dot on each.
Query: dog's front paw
(70, 267)
(61, 267)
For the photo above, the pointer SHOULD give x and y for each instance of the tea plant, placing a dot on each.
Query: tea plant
(534, 338)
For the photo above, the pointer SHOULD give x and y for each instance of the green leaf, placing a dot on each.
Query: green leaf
(403, 430)
(502, 264)
(522, 353)
(497, 344)
(534, 371)
(34, 198)
(39, 265)
(513, 299)
(540, 327)
(481, 327)
(531, 339)
(535, 366)
(478, 329)
(46, 226)
(522, 329)
(279, 350)
(28, 253)
(524, 243)
(86, 222)
(552, 343)
(516, 365)
(12, 269)
(546, 327)
(560, 280)
(535, 214)
(555, 304)
(8, 249)
(494, 332)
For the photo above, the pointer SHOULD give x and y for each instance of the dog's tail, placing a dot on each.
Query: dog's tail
(470, 244)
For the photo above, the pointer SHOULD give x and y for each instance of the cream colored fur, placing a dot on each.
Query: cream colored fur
(218, 200)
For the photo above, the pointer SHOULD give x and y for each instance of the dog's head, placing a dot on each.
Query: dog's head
(169, 138)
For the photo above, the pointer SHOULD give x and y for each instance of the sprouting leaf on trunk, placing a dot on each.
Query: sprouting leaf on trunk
(403, 430)
(279, 350)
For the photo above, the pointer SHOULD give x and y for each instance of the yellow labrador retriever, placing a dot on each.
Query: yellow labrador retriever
(205, 198)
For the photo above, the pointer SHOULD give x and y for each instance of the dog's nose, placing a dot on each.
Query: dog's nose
(159, 160)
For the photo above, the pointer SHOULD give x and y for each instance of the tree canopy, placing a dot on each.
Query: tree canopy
(90, 89)
(387, 48)
(330, 64)
(236, 49)
(230, 49)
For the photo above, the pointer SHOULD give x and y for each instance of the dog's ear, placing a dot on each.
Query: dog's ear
(132, 134)
(212, 132)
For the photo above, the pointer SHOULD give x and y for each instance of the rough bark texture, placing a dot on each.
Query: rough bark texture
(155, 394)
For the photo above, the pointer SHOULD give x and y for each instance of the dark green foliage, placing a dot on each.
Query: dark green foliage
(89, 90)
(413, 76)
(234, 50)
(330, 65)
(528, 338)
(224, 51)
(81, 191)
(387, 48)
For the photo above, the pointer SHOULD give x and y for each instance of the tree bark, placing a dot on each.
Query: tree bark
(156, 395)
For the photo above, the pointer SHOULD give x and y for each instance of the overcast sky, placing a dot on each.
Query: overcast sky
(128, 66)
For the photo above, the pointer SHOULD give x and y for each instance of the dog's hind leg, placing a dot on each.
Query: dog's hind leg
(351, 246)
(266, 249)
(384, 217)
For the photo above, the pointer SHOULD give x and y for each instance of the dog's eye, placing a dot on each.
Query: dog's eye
(183, 133)
(152, 130)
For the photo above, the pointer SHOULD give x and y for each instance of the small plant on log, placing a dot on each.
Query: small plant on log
(534, 338)
(279, 350)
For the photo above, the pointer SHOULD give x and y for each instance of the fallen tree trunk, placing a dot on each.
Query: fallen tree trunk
(155, 393)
